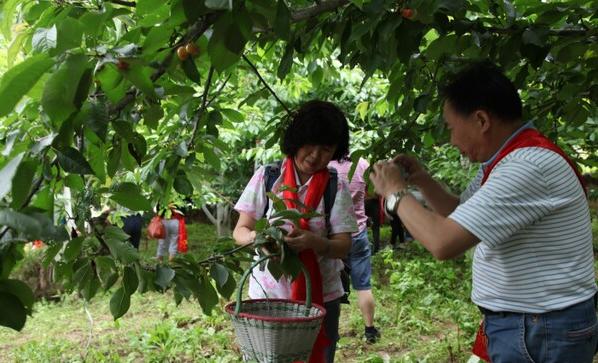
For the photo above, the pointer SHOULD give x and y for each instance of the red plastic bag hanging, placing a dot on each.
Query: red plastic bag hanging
(156, 229)
(480, 346)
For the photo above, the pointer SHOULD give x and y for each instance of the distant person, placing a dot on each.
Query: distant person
(525, 213)
(176, 234)
(132, 225)
(374, 209)
(359, 259)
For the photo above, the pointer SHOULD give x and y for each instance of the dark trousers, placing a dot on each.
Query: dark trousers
(132, 226)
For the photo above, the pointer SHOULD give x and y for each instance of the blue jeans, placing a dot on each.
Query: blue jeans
(360, 261)
(561, 336)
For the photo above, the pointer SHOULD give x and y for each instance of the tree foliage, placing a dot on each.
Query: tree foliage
(99, 99)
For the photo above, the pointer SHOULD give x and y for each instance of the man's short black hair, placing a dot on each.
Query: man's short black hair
(317, 123)
(483, 86)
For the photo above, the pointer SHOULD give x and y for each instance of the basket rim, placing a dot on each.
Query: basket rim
(230, 309)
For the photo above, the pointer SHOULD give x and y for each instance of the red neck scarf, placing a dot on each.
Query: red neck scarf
(531, 138)
(315, 191)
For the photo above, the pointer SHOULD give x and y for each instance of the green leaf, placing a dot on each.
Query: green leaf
(116, 233)
(18, 80)
(14, 313)
(50, 252)
(21, 183)
(226, 44)
(114, 158)
(96, 160)
(219, 273)
(130, 281)
(72, 161)
(219, 4)
(73, 249)
(44, 39)
(191, 70)
(70, 33)
(74, 181)
(137, 148)
(122, 251)
(110, 81)
(228, 288)
(60, 90)
(286, 62)
(282, 22)
(145, 7)
(156, 38)
(90, 286)
(8, 16)
(8, 172)
(21, 290)
(106, 268)
(23, 223)
(232, 115)
(119, 303)
(140, 77)
(164, 276)
(129, 195)
(152, 115)
(208, 298)
(182, 184)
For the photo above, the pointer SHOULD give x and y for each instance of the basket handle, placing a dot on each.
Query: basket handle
(248, 272)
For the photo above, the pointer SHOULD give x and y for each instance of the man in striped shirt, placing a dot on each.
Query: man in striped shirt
(526, 214)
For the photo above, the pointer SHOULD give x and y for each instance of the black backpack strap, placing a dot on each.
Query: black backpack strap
(330, 194)
(271, 173)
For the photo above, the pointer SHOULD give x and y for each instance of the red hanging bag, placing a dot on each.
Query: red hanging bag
(156, 229)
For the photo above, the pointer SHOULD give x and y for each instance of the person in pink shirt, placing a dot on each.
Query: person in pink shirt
(359, 258)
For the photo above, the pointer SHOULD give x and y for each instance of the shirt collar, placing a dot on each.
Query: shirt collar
(527, 125)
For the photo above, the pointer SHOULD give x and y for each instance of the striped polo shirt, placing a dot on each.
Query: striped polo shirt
(533, 221)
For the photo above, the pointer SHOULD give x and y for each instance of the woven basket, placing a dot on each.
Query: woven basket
(275, 330)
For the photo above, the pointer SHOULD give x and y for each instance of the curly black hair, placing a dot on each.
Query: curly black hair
(317, 123)
(482, 85)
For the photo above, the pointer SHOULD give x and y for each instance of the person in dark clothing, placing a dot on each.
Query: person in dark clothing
(132, 226)
(376, 217)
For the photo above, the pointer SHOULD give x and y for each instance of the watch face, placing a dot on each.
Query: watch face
(390, 203)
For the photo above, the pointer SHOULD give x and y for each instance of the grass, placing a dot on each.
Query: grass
(423, 312)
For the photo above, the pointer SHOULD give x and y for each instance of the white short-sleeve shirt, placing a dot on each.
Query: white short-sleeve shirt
(253, 201)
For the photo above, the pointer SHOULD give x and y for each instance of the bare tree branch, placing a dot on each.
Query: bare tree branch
(123, 2)
(317, 9)
(257, 73)
(202, 109)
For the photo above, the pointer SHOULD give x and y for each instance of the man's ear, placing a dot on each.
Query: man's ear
(483, 120)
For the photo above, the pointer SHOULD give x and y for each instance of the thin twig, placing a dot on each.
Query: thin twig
(219, 89)
(90, 337)
(124, 3)
(202, 108)
(257, 73)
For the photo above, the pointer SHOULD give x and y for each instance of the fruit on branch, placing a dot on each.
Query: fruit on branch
(181, 52)
(407, 13)
(192, 49)
(122, 65)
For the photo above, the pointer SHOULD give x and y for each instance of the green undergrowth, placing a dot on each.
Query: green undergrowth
(422, 310)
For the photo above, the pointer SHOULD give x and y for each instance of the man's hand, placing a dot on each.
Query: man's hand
(416, 173)
(387, 178)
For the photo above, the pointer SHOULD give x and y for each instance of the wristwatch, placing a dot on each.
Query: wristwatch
(393, 200)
